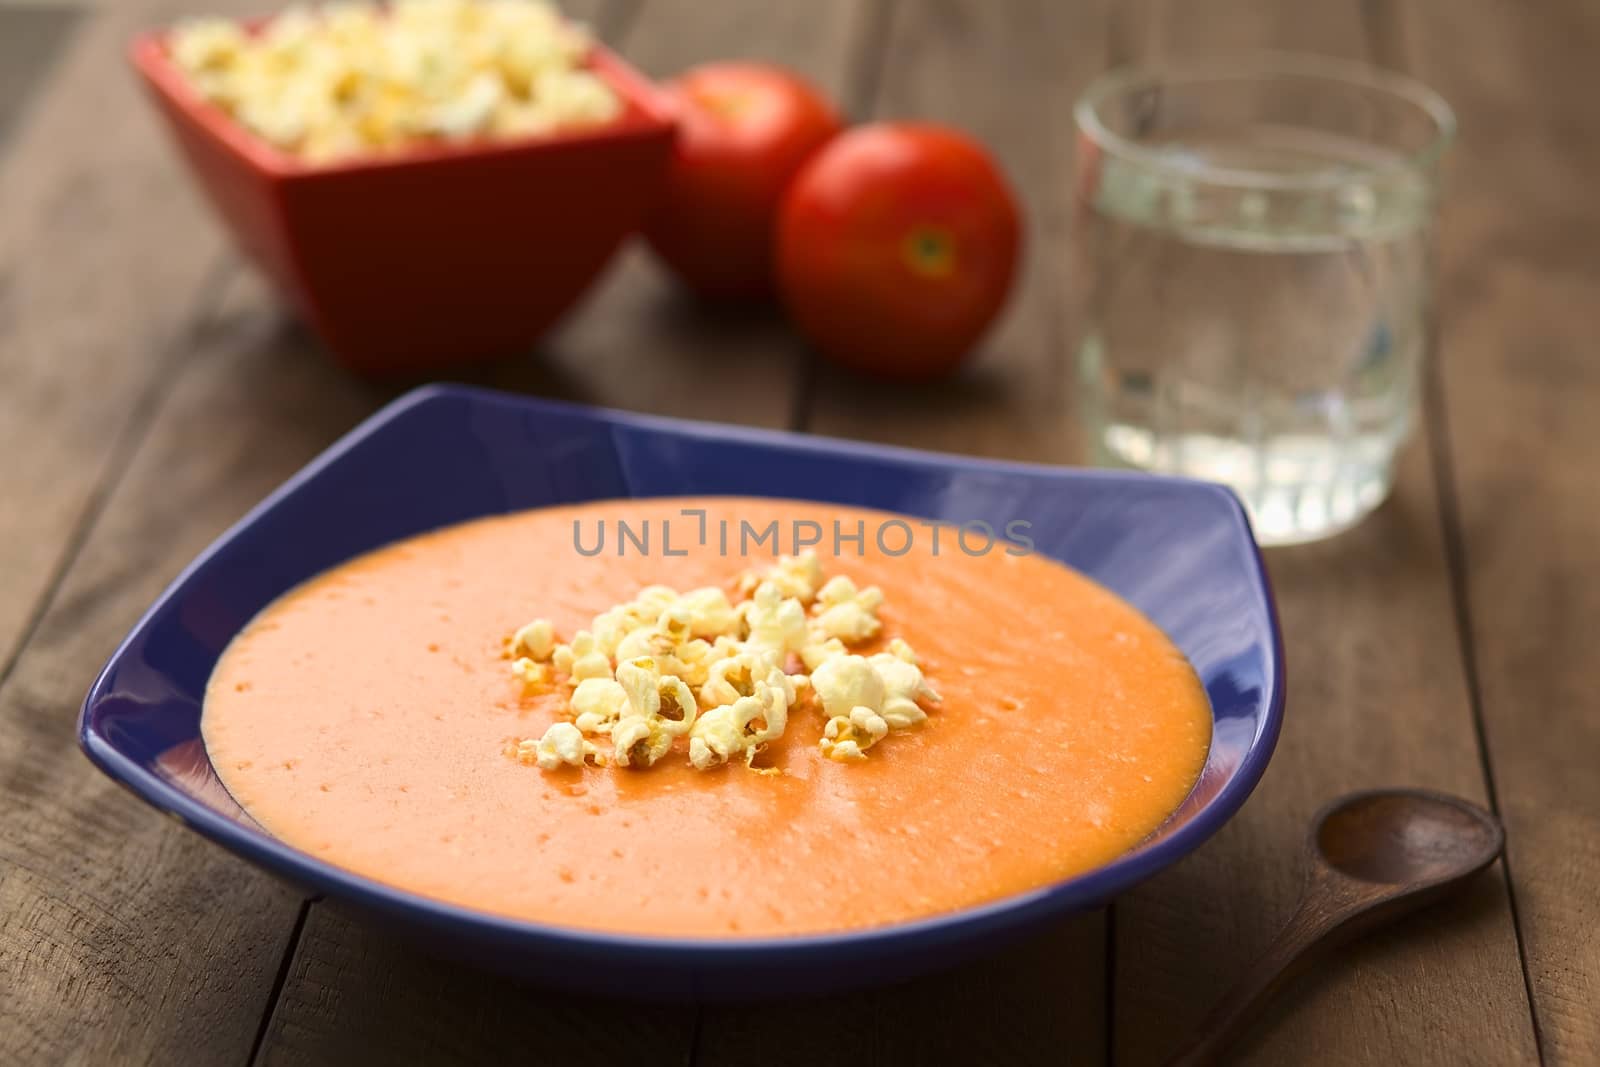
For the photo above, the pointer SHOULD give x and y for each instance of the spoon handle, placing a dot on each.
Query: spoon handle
(1318, 914)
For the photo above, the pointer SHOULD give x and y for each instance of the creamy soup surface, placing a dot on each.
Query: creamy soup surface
(365, 717)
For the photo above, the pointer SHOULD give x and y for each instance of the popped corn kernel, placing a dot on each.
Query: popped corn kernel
(610, 629)
(743, 727)
(466, 111)
(776, 694)
(777, 623)
(651, 694)
(537, 640)
(778, 691)
(653, 600)
(794, 576)
(903, 686)
(710, 614)
(597, 703)
(847, 682)
(639, 742)
(532, 675)
(638, 678)
(690, 661)
(848, 613)
(847, 737)
(636, 643)
(816, 654)
(573, 98)
(562, 745)
(719, 734)
(733, 677)
(658, 708)
(207, 44)
(675, 623)
(581, 659)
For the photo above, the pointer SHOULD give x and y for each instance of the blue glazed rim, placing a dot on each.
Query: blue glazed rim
(992, 920)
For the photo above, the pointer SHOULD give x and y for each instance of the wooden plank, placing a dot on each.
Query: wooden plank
(1377, 696)
(123, 937)
(120, 937)
(1176, 32)
(31, 38)
(1519, 387)
(1037, 1003)
(356, 996)
(103, 246)
(993, 69)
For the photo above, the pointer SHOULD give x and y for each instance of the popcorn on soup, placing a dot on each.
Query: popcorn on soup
(351, 79)
(723, 674)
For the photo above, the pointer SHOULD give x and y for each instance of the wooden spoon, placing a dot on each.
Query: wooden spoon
(1373, 857)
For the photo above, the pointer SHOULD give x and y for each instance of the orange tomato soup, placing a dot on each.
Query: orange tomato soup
(365, 717)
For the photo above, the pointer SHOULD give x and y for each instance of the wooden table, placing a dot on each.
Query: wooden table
(151, 390)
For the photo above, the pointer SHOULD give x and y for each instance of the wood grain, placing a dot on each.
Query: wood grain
(90, 315)
(1370, 860)
(354, 995)
(1519, 387)
(31, 38)
(123, 937)
(1037, 1003)
(1377, 696)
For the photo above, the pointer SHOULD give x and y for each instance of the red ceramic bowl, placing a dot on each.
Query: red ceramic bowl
(441, 255)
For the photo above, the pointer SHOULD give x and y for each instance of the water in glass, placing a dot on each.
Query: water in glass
(1265, 336)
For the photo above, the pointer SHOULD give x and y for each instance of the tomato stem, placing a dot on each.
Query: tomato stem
(930, 251)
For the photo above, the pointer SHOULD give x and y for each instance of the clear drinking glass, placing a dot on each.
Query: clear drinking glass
(1253, 262)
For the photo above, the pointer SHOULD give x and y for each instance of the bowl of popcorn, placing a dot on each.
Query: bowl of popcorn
(428, 182)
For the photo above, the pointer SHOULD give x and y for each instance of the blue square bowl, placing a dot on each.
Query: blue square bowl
(1180, 551)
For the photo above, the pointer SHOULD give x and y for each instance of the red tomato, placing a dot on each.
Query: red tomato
(897, 245)
(744, 131)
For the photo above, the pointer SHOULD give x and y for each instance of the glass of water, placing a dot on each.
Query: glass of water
(1253, 262)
